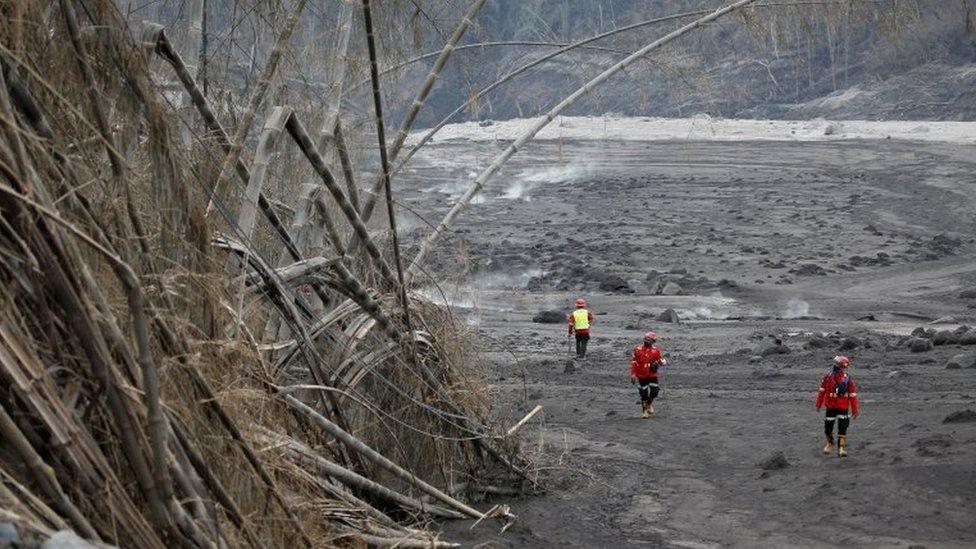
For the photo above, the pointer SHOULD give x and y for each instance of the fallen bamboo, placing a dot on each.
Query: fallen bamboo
(524, 420)
(380, 460)
(357, 481)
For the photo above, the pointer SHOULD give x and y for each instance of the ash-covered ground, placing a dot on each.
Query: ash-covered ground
(860, 247)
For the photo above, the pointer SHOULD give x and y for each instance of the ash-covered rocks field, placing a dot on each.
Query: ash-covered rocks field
(775, 253)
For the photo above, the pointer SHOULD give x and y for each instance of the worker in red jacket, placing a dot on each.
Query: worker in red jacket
(579, 324)
(644, 372)
(838, 393)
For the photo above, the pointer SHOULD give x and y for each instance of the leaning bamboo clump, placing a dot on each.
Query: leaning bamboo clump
(140, 405)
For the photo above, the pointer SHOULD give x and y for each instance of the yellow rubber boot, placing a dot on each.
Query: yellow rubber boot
(829, 446)
(842, 445)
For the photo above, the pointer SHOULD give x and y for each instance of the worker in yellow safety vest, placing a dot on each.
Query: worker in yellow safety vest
(579, 324)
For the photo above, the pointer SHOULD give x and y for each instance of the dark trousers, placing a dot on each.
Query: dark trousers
(581, 341)
(648, 389)
(841, 418)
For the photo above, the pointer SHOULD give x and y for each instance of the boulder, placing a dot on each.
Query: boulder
(615, 284)
(961, 361)
(968, 338)
(849, 344)
(818, 342)
(775, 349)
(671, 288)
(962, 416)
(755, 359)
(945, 337)
(669, 315)
(920, 345)
(922, 332)
(550, 317)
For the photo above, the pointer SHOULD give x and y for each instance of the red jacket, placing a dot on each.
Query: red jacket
(580, 331)
(838, 392)
(646, 362)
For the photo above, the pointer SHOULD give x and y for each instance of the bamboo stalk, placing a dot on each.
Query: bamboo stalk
(256, 98)
(524, 420)
(418, 102)
(380, 460)
(155, 37)
(359, 482)
(385, 163)
(509, 151)
(246, 216)
(44, 476)
(304, 142)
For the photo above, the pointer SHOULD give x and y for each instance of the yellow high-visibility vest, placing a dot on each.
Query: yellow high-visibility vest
(581, 319)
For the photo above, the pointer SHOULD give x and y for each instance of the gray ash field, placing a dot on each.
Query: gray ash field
(850, 247)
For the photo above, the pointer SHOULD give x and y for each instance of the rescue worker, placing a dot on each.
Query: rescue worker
(838, 393)
(579, 324)
(644, 372)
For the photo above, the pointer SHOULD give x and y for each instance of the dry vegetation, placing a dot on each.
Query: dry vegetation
(189, 354)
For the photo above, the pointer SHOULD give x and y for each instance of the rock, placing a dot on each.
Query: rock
(550, 317)
(945, 337)
(849, 343)
(833, 128)
(66, 539)
(755, 359)
(962, 416)
(870, 318)
(615, 284)
(968, 338)
(922, 332)
(967, 294)
(961, 361)
(669, 315)
(776, 349)
(8, 535)
(818, 342)
(671, 288)
(774, 462)
(872, 229)
(920, 345)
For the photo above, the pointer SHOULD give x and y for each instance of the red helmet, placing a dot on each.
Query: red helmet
(581, 302)
(842, 361)
(650, 337)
